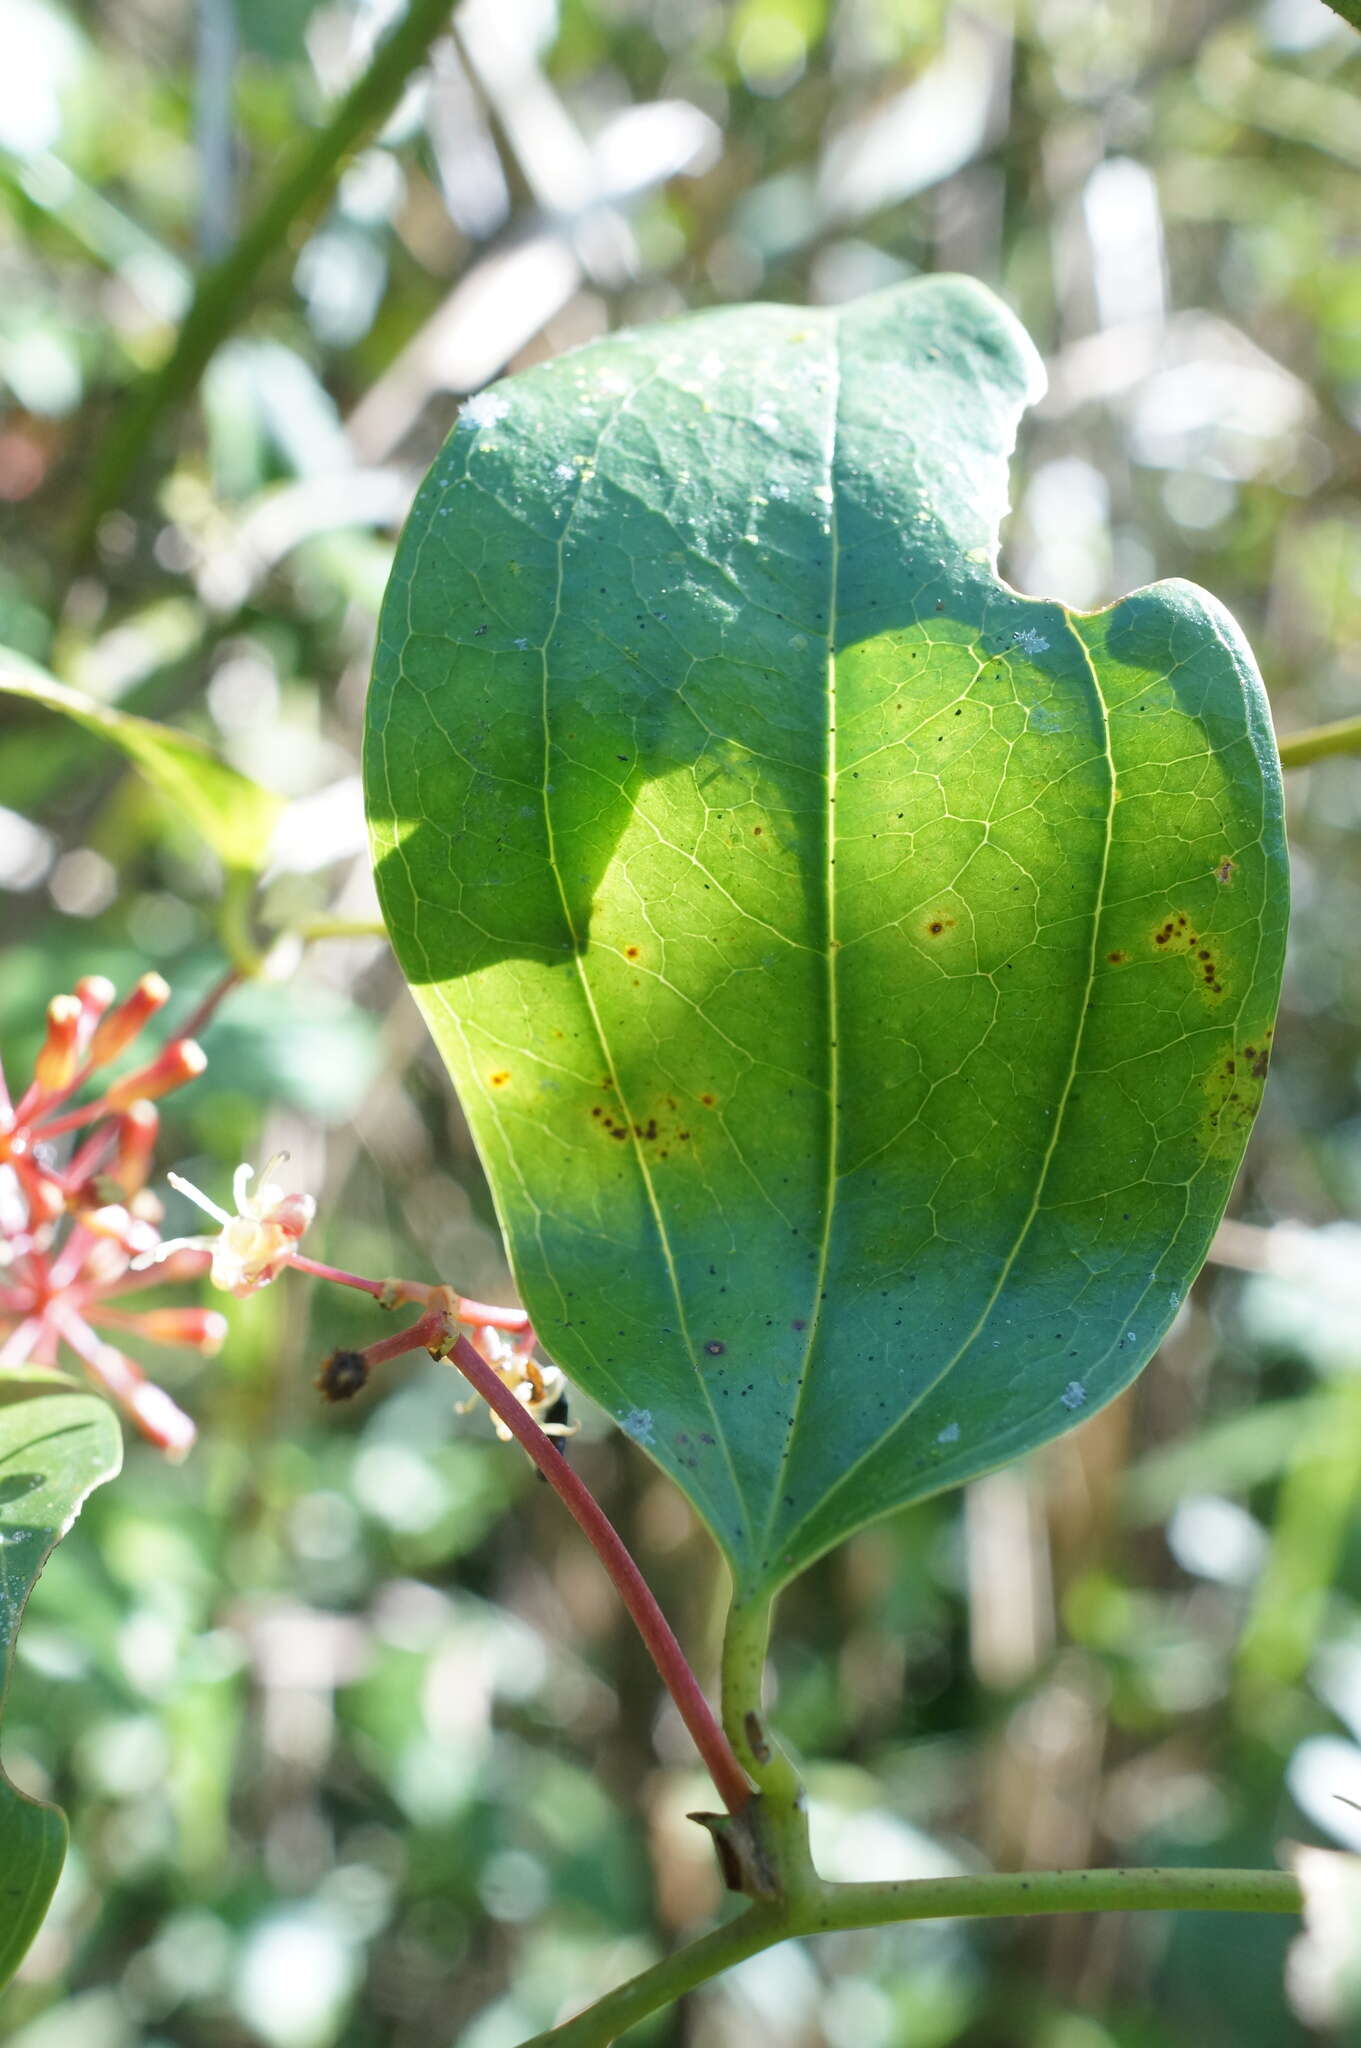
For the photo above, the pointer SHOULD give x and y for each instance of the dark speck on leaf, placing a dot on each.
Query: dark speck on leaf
(714, 1348)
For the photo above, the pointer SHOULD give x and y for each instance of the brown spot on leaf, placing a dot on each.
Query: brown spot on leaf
(714, 1348)
(1224, 872)
(707, 1100)
(1117, 959)
(499, 1080)
(631, 952)
(937, 925)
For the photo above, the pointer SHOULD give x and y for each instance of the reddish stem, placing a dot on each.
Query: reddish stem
(484, 1315)
(204, 1012)
(21, 1341)
(477, 1314)
(181, 1265)
(72, 1120)
(343, 1279)
(87, 1158)
(433, 1332)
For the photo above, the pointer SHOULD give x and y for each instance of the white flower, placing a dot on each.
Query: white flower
(253, 1246)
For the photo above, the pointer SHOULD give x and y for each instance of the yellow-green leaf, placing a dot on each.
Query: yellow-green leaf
(235, 815)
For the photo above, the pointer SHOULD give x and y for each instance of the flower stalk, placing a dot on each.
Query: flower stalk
(438, 1332)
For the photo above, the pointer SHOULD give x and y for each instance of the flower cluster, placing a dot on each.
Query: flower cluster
(78, 1225)
(80, 1231)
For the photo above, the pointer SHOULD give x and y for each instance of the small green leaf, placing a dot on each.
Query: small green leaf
(57, 1444)
(859, 978)
(235, 815)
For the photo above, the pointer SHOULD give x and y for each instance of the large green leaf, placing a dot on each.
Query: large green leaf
(57, 1444)
(235, 815)
(858, 977)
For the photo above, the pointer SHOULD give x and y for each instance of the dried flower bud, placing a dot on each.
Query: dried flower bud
(182, 1060)
(344, 1374)
(122, 1025)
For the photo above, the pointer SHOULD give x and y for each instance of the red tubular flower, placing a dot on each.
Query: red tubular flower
(71, 1230)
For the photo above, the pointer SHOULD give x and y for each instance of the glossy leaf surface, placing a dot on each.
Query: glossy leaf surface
(859, 977)
(235, 815)
(56, 1444)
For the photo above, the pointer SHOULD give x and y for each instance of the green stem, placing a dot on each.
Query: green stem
(1343, 736)
(745, 1643)
(222, 292)
(932, 1898)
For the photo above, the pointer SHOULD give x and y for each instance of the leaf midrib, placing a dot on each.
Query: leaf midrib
(1051, 1150)
(833, 1178)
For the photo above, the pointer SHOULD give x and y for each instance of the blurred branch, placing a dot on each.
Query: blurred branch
(213, 88)
(223, 291)
(1313, 1514)
(1343, 736)
(931, 1898)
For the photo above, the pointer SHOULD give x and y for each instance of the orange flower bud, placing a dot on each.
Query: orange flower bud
(137, 1128)
(153, 1411)
(96, 992)
(59, 1057)
(203, 1329)
(115, 1222)
(122, 1025)
(165, 1425)
(45, 1199)
(182, 1060)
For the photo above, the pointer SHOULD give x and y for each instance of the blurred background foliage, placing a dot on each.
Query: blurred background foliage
(356, 1742)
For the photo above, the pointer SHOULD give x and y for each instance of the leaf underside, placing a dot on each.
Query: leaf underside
(56, 1444)
(859, 978)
